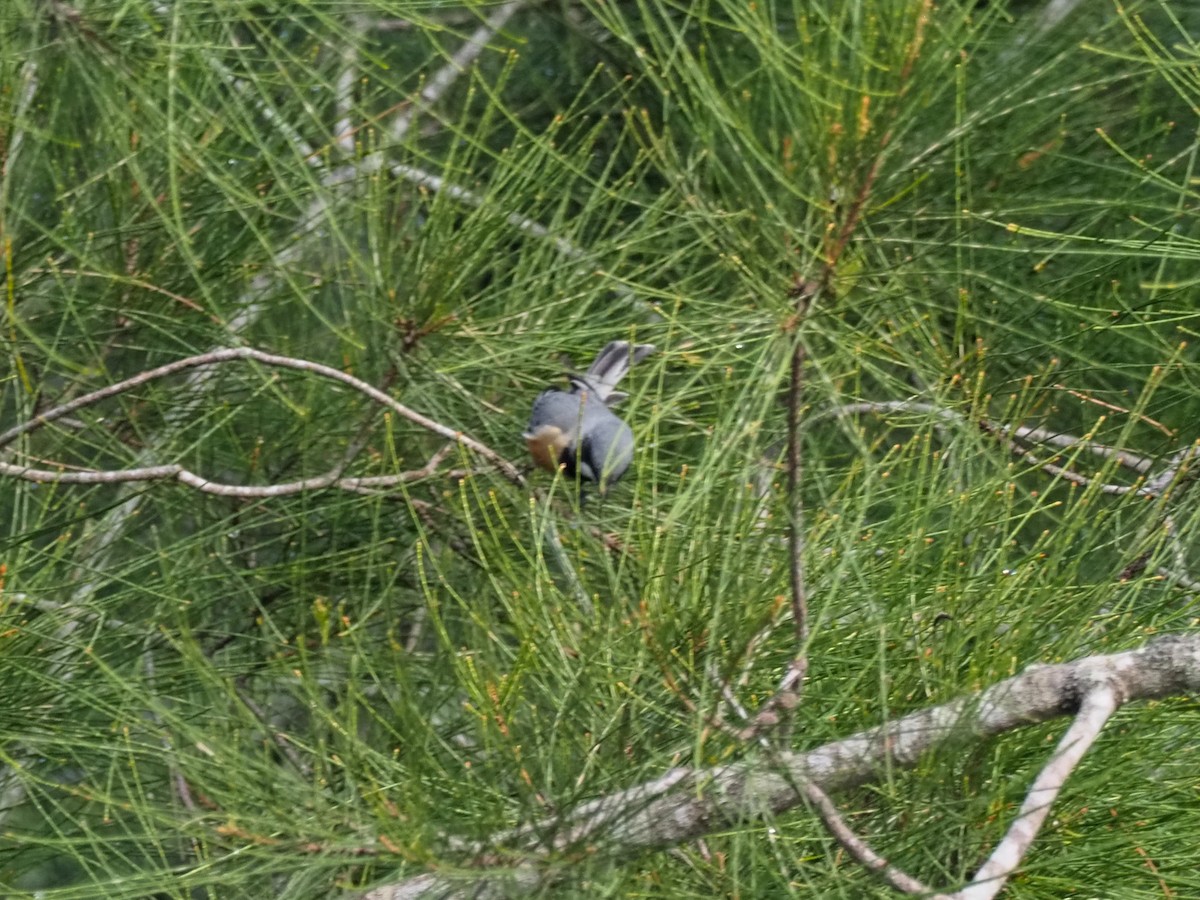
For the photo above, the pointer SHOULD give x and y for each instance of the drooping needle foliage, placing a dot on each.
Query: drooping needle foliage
(988, 211)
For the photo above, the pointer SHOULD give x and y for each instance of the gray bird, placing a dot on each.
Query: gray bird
(575, 428)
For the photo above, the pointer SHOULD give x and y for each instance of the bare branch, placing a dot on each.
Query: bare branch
(552, 542)
(1098, 706)
(184, 476)
(1011, 434)
(787, 695)
(347, 79)
(857, 847)
(444, 77)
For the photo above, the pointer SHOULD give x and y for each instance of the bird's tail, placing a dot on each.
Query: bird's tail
(610, 366)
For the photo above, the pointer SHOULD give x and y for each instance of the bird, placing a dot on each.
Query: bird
(576, 429)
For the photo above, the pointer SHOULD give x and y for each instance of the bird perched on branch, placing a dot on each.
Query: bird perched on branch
(576, 429)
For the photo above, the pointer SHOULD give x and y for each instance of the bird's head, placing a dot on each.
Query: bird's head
(546, 444)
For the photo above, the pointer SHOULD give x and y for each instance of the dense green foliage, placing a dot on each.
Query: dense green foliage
(293, 696)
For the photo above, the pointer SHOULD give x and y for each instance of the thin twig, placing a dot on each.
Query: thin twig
(347, 79)
(1177, 473)
(1009, 435)
(52, 606)
(444, 78)
(281, 741)
(221, 356)
(28, 86)
(520, 222)
(182, 790)
(858, 848)
(369, 485)
(1059, 471)
(1085, 397)
(727, 695)
(823, 804)
(553, 543)
(787, 695)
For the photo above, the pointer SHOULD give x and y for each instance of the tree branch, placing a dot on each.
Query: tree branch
(1097, 708)
(684, 804)
(1009, 435)
(857, 847)
(183, 475)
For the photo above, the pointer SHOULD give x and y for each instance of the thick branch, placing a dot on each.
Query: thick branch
(684, 804)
